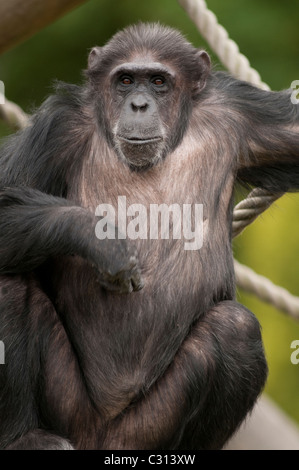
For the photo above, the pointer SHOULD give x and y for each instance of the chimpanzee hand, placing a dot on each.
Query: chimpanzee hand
(123, 276)
(117, 264)
(57, 228)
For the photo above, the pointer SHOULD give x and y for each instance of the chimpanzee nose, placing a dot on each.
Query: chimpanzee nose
(139, 103)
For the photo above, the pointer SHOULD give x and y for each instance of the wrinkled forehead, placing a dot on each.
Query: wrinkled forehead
(143, 64)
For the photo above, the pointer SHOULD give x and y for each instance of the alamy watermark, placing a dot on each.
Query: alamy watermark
(295, 93)
(159, 221)
(295, 354)
(2, 93)
(2, 353)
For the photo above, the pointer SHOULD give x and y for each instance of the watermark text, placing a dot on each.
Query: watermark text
(295, 93)
(2, 93)
(158, 221)
(2, 353)
(295, 354)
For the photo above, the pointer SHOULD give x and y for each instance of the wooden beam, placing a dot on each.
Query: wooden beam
(20, 19)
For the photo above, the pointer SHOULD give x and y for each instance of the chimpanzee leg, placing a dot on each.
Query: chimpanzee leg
(28, 327)
(236, 381)
(212, 384)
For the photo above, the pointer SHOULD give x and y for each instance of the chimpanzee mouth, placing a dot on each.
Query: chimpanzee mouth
(139, 153)
(138, 140)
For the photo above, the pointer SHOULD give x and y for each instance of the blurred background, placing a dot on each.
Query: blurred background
(267, 32)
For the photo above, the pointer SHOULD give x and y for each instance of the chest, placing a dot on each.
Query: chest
(177, 211)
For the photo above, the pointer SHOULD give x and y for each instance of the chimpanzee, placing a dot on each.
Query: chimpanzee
(134, 342)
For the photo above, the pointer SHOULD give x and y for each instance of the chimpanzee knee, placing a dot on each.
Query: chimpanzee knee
(236, 374)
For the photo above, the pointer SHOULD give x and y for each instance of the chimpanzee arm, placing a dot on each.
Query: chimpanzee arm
(35, 226)
(36, 221)
(268, 124)
(49, 152)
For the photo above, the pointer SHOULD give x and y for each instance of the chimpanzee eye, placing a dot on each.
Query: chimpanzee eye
(125, 80)
(158, 81)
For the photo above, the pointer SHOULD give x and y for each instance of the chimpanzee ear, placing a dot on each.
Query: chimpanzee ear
(94, 56)
(203, 69)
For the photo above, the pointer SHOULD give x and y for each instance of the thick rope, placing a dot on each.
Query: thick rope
(228, 52)
(258, 200)
(250, 208)
(12, 114)
(259, 285)
(217, 37)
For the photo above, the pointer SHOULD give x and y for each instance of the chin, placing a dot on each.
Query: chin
(140, 156)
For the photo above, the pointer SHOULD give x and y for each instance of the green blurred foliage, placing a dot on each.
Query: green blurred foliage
(271, 247)
(267, 33)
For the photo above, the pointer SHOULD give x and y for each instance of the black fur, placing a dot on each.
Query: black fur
(176, 364)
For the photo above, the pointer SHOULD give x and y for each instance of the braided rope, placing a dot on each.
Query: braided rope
(229, 54)
(259, 285)
(219, 41)
(12, 114)
(259, 199)
(250, 208)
